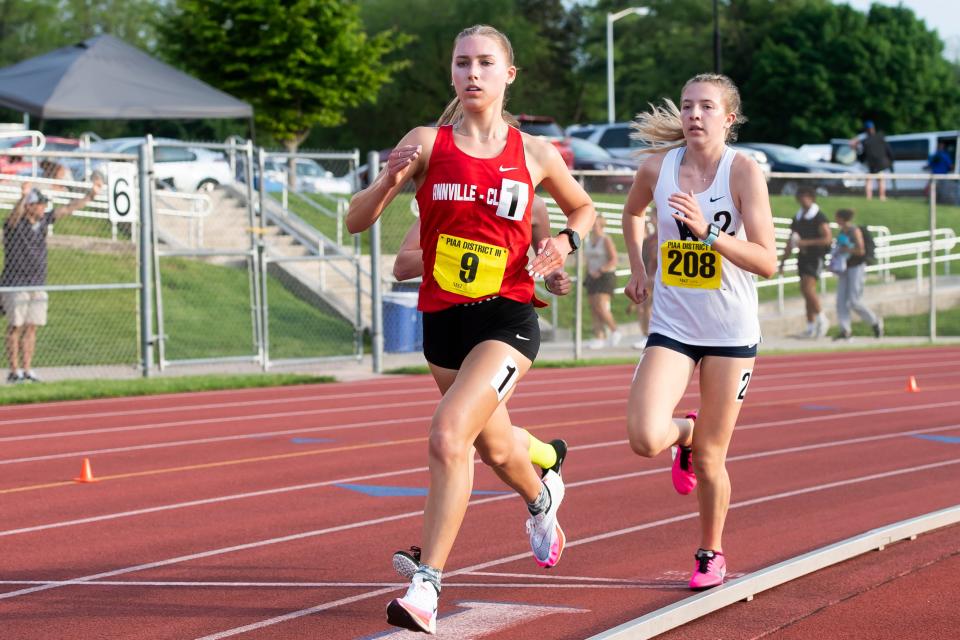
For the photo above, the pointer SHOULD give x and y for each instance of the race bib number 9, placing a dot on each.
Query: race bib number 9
(469, 268)
(692, 265)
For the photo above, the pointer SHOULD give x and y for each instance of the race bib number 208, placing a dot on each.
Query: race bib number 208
(692, 265)
(469, 268)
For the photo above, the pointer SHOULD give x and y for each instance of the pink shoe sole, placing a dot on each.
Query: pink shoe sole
(684, 479)
(555, 551)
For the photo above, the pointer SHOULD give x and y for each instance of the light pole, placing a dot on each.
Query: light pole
(611, 18)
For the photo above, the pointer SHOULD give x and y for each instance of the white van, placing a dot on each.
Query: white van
(910, 154)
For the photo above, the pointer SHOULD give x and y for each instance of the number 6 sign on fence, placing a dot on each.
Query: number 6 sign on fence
(121, 192)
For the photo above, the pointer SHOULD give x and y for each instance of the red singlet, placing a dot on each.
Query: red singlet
(475, 224)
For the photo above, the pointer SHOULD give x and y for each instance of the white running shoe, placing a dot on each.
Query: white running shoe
(417, 610)
(823, 325)
(615, 338)
(546, 536)
(596, 343)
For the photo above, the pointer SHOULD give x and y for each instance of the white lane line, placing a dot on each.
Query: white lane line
(268, 434)
(536, 376)
(605, 536)
(420, 388)
(522, 393)
(411, 514)
(591, 583)
(387, 474)
(396, 421)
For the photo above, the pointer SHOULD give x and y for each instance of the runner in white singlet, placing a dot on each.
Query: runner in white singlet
(715, 232)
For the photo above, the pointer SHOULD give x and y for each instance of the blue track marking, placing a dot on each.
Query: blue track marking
(391, 492)
(310, 440)
(817, 407)
(947, 439)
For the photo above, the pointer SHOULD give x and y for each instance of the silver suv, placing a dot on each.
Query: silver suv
(614, 137)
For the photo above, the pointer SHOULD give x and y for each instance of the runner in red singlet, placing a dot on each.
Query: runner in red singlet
(475, 180)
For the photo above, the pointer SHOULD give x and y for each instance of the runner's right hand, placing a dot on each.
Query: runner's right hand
(400, 162)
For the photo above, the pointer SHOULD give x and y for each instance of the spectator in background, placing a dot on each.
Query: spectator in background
(600, 282)
(851, 280)
(811, 238)
(875, 152)
(940, 163)
(25, 265)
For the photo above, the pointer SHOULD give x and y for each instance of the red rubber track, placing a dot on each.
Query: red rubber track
(216, 512)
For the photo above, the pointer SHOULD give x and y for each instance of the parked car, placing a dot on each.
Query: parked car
(547, 127)
(614, 137)
(24, 165)
(311, 177)
(758, 156)
(816, 152)
(787, 159)
(588, 156)
(182, 168)
(910, 154)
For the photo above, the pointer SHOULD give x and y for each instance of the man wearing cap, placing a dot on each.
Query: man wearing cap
(25, 265)
(875, 152)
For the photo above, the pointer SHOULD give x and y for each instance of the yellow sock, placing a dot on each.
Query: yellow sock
(542, 454)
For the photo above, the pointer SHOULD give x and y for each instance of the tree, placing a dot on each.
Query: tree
(820, 69)
(32, 27)
(544, 38)
(300, 63)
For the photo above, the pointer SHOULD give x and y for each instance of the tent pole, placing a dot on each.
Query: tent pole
(26, 120)
(253, 131)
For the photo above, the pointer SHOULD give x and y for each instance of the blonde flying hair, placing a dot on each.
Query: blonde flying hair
(454, 111)
(661, 128)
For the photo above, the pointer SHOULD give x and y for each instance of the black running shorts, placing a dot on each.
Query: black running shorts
(698, 352)
(449, 335)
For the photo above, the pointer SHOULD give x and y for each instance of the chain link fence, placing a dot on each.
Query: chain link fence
(70, 282)
(248, 260)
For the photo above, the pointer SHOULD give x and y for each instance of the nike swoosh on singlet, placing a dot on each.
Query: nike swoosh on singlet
(717, 198)
(503, 168)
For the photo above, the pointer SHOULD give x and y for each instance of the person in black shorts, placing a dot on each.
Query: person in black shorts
(811, 237)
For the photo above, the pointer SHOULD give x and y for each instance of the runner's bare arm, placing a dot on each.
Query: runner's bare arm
(409, 261)
(548, 168)
(408, 161)
(634, 224)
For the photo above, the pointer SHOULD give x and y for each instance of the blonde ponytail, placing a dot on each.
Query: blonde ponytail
(659, 129)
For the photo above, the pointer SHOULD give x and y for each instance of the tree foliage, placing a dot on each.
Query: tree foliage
(32, 27)
(544, 38)
(808, 70)
(300, 63)
(822, 69)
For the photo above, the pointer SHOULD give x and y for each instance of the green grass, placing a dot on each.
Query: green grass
(89, 389)
(206, 314)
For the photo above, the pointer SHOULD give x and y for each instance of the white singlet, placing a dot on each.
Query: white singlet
(702, 298)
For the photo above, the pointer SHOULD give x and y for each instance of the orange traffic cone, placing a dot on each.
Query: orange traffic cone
(912, 386)
(86, 473)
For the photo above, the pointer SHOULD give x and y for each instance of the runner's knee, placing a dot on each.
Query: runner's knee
(644, 439)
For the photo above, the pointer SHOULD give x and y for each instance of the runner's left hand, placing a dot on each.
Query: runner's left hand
(551, 254)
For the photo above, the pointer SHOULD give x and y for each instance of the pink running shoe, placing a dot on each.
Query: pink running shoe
(710, 570)
(684, 479)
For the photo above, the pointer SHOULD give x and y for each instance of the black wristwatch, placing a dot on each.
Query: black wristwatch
(574, 238)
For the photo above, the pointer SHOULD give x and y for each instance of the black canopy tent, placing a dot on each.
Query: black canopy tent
(104, 78)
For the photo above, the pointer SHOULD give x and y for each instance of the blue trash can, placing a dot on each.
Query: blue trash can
(402, 323)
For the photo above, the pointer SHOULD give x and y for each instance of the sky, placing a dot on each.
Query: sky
(940, 15)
